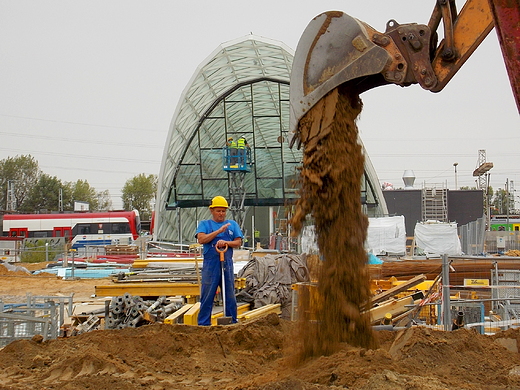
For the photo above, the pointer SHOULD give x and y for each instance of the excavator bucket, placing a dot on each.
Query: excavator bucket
(336, 48)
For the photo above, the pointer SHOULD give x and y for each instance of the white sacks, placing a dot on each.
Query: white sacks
(437, 238)
(386, 236)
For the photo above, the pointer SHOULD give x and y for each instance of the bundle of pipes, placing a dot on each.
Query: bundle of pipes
(160, 272)
(132, 311)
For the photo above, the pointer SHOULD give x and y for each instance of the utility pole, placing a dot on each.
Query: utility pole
(456, 181)
(507, 203)
(11, 200)
(60, 201)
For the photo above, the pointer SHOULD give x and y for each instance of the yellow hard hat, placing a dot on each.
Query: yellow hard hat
(230, 139)
(218, 201)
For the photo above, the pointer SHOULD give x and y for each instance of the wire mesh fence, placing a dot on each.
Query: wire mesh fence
(40, 315)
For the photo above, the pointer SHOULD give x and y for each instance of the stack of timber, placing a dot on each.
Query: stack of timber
(111, 250)
(460, 268)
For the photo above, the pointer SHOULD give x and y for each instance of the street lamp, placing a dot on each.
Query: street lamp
(455, 166)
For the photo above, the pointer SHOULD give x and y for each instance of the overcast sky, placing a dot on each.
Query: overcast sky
(89, 88)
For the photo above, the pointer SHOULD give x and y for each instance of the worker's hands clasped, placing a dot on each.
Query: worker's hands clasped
(221, 243)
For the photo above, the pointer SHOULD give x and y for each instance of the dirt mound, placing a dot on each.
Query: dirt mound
(259, 355)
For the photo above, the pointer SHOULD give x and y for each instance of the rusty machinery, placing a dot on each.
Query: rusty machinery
(336, 49)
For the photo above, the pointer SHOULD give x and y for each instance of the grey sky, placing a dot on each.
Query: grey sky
(89, 88)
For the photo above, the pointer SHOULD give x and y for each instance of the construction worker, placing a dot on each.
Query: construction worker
(217, 233)
(242, 152)
(232, 151)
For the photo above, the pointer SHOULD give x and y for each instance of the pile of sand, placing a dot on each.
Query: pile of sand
(259, 355)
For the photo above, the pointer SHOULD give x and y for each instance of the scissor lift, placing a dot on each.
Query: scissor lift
(237, 162)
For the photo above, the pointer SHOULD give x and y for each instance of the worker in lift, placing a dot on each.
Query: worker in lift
(243, 150)
(232, 150)
(213, 233)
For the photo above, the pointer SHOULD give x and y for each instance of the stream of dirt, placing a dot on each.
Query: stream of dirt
(331, 175)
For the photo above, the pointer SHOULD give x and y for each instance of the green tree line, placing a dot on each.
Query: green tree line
(25, 188)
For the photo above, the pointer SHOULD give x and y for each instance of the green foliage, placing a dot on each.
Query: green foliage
(104, 201)
(23, 171)
(502, 203)
(44, 195)
(139, 193)
(80, 191)
(35, 191)
(36, 252)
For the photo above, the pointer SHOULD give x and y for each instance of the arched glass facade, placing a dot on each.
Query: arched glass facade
(242, 89)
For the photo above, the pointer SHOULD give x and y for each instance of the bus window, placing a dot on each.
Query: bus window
(83, 228)
(120, 228)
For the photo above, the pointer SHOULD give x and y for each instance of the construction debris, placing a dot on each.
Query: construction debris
(132, 311)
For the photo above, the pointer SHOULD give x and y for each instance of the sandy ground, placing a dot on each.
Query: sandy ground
(252, 355)
(14, 286)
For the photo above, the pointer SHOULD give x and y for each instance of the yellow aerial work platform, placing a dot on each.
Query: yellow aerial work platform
(145, 289)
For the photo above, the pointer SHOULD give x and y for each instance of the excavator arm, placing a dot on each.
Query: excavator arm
(336, 49)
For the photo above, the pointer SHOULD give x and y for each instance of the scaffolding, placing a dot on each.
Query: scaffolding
(40, 315)
(435, 203)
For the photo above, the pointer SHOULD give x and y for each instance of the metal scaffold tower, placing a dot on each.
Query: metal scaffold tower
(482, 174)
(435, 203)
(237, 162)
(11, 200)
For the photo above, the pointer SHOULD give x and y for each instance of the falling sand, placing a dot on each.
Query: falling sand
(331, 175)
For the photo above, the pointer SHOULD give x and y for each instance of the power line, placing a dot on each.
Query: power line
(82, 141)
(78, 156)
(78, 123)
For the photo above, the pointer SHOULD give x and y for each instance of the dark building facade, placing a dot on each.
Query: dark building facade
(463, 206)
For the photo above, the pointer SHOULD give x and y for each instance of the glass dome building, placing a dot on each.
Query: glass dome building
(240, 90)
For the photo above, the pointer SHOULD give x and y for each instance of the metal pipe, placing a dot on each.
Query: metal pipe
(446, 310)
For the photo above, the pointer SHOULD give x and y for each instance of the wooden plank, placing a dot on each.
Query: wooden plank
(394, 306)
(397, 289)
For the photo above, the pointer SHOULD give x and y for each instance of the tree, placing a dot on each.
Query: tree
(139, 193)
(502, 202)
(104, 201)
(23, 172)
(44, 195)
(80, 191)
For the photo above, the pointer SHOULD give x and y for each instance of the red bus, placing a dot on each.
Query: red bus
(81, 229)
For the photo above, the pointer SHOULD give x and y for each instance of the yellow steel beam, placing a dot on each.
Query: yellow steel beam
(146, 289)
(191, 316)
(261, 311)
(174, 317)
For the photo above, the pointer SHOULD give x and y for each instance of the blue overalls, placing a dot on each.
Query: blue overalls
(211, 271)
